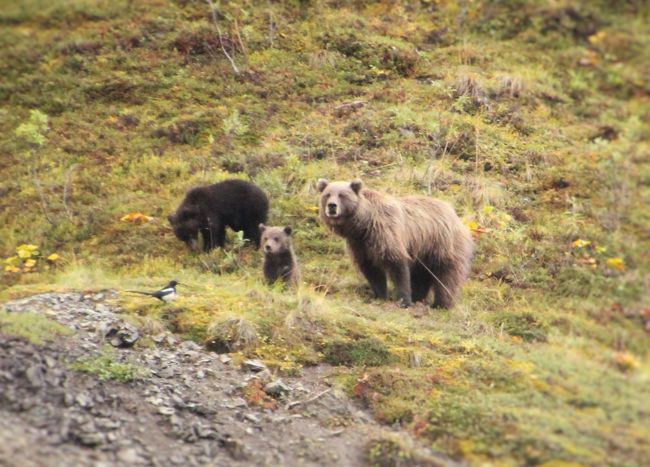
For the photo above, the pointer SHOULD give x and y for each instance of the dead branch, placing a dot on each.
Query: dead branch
(213, 10)
(66, 190)
(241, 42)
(271, 29)
(41, 195)
(293, 404)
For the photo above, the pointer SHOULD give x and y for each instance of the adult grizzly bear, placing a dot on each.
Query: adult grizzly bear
(237, 204)
(419, 241)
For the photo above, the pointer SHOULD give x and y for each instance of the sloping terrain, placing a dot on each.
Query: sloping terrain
(171, 403)
(531, 118)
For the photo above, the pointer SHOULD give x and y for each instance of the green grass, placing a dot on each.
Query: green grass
(33, 327)
(545, 155)
(105, 367)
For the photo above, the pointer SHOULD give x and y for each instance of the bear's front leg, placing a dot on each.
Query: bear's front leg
(207, 239)
(213, 235)
(376, 278)
(400, 273)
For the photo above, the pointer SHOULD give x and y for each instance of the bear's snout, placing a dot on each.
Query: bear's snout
(267, 248)
(332, 209)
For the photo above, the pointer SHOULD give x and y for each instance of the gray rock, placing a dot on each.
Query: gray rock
(264, 376)
(166, 411)
(83, 400)
(49, 361)
(204, 432)
(254, 365)
(129, 456)
(107, 424)
(252, 418)
(234, 447)
(90, 438)
(35, 377)
(277, 389)
(122, 335)
(190, 345)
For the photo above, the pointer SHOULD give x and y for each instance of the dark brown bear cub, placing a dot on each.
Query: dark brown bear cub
(418, 241)
(237, 204)
(279, 259)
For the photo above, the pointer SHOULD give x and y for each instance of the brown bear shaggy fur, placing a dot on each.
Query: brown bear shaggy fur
(279, 258)
(237, 204)
(419, 241)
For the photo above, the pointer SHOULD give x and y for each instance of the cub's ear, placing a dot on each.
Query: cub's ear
(172, 219)
(262, 228)
(356, 185)
(322, 183)
(288, 230)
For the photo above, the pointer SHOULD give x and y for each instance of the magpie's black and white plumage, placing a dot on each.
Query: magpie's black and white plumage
(166, 294)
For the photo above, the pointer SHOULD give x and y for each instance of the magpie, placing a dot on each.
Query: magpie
(166, 294)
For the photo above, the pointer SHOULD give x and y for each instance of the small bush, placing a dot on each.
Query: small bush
(105, 367)
(525, 325)
(386, 452)
(231, 335)
(367, 351)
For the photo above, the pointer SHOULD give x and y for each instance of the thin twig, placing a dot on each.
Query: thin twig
(434, 276)
(271, 29)
(476, 149)
(317, 396)
(216, 24)
(241, 43)
(293, 404)
(66, 190)
(430, 168)
(41, 195)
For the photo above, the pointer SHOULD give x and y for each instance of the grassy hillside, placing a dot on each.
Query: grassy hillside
(531, 118)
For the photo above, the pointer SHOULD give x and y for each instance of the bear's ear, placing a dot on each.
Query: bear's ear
(262, 228)
(172, 219)
(322, 183)
(288, 230)
(356, 185)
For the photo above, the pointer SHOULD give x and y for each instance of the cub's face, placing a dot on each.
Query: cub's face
(185, 226)
(275, 240)
(338, 200)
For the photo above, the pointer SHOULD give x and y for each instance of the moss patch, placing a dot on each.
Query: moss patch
(361, 352)
(34, 327)
(527, 326)
(106, 367)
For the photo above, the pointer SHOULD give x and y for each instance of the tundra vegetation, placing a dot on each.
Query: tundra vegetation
(531, 117)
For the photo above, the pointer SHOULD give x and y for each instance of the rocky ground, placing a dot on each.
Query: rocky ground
(186, 407)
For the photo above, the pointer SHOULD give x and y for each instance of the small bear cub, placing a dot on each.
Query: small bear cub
(279, 259)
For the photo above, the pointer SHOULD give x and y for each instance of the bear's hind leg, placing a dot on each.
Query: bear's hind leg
(252, 233)
(421, 282)
(445, 287)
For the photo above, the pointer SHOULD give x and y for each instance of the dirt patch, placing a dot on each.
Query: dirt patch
(185, 406)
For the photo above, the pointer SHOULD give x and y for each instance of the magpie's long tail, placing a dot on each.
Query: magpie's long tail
(138, 291)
